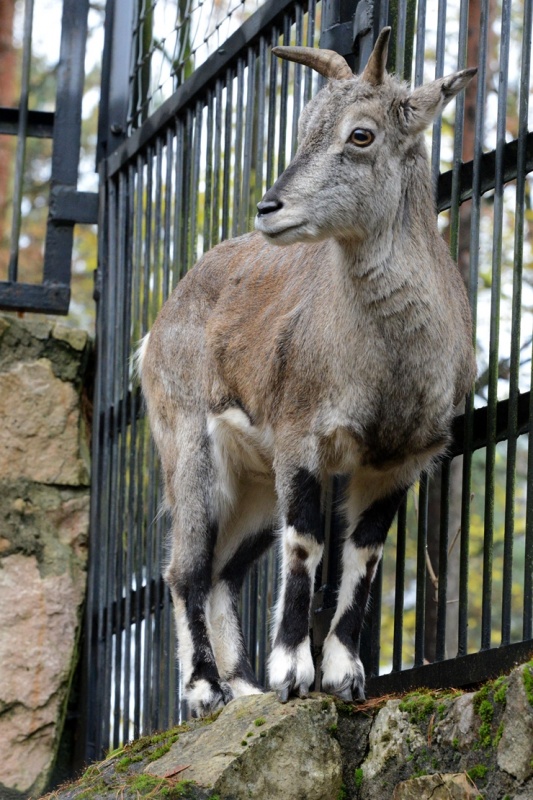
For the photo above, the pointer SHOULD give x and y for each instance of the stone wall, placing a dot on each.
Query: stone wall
(444, 745)
(44, 514)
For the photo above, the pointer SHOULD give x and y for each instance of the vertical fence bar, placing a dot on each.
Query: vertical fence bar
(527, 626)
(442, 588)
(488, 544)
(399, 591)
(439, 71)
(22, 133)
(462, 644)
(217, 184)
(423, 498)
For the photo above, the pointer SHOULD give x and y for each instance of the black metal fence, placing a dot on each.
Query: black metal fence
(49, 290)
(187, 150)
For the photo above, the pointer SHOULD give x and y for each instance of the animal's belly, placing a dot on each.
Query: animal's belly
(239, 446)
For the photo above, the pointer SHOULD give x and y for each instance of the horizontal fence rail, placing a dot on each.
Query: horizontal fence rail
(456, 584)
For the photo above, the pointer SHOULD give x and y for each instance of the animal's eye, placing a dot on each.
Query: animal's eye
(361, 137)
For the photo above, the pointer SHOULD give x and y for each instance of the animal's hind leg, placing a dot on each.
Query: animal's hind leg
(225, 628)
(189, 574)
(370, 515)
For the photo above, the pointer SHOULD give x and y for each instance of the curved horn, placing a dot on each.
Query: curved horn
(375, 69)
(326, 62)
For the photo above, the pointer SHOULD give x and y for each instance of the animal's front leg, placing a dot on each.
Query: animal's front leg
(342, 671)
(290, 667)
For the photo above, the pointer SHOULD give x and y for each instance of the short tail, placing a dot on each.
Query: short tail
(138, 356)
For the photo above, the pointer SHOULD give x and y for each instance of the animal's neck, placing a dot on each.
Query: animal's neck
(393, 270)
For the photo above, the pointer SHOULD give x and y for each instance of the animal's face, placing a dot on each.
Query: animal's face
(345, 180)
(357, 138)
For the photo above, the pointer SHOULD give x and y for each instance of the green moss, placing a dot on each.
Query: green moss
(250, 733)
(358, 777)
(418, 706)
(527, 677)
(478, 772)
(333, 728)
(441, 710)
(486, 711)
(146, 784)
(123, 763)
(500, 690)
(112, 753)
(455, 744)
(480, 696)
(93, 792)
(90, 772)
(484, 708)
(342, 793)
(160, 751)
(150, 786)
(244, 743)
(259, 721)
(498, 735)
(182, 789)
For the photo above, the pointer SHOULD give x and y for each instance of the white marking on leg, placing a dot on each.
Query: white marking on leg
(202, 698)
(298, 663)
(339, 666)
(242, 688)
(291, 541)
(223, 629)
(354, 566)
(185, 643)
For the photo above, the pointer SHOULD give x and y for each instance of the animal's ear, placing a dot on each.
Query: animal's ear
(423, 105)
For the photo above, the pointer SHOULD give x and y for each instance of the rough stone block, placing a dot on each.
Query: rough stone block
(40, 432)
(436, 787)
(515, 749)
(291, 754)
(39, 622)
(44, 519)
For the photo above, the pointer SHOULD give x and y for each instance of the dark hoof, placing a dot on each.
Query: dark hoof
(283, 693)
(345, 694)
(219, 696)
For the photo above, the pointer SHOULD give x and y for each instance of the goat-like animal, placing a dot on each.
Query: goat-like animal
(272, 368)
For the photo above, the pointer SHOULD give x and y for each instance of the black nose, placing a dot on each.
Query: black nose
(268, 206)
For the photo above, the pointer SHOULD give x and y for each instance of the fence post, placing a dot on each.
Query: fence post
(116, 66)
(351, 28)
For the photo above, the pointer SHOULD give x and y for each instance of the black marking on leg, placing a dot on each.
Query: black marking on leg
(233, 575)
(194, 587)
(248, 552)
(303, 512)
(294, 626)
(349, 626)
(375, 521)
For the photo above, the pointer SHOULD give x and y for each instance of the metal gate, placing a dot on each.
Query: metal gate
(198, 119)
